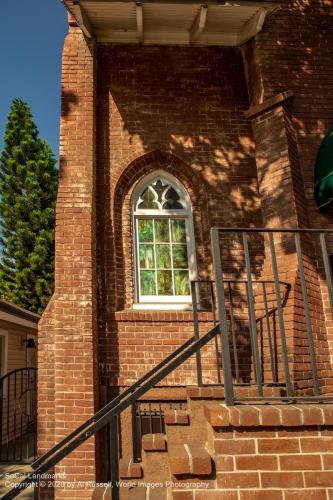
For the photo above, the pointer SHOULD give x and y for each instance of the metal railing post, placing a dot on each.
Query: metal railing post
(233, 333)
(1, 416)
(114, 456)
(136, 439)
(309, 330)
(252, 315)
(327, 267)
(196, 330)
(280, 315)
(223, 323)
(269, 335)
(212, 301)
(8, 420)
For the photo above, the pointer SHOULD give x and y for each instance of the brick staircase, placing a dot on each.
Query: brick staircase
(182, 459)
(255, 449)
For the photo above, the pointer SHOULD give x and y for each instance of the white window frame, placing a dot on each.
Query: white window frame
(163, 301)
(4, 361)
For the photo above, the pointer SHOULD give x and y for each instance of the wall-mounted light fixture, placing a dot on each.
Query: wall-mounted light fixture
(29, 343)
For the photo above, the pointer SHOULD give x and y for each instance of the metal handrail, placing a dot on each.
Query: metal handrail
(8, 374)
(107, 414)
(111, 404)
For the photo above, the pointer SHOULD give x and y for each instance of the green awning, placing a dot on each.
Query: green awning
(323, 176)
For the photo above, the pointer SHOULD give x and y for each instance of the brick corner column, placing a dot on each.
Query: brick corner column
(280, 180)
(68, 371)
(283, 201)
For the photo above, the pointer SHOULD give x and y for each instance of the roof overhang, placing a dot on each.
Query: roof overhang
(14, 314)
(170, 22)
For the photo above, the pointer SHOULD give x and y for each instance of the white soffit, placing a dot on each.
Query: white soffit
(169, 22)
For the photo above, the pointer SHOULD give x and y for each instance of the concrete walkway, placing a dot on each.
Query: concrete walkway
(11, 474)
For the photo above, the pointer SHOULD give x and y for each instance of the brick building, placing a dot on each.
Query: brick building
(178, 117)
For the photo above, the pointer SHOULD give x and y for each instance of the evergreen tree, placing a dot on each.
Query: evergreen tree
(28, 186)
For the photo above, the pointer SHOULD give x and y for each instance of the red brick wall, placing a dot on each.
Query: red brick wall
(139, 340)
(182, 111)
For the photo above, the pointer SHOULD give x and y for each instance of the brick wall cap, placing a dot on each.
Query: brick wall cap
(288, 415)
(268, 104)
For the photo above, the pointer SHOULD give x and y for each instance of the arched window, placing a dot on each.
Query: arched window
(164, 254)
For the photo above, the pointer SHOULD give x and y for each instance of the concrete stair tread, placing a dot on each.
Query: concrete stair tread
(128, 469)
(176, 417)
(189, 460)
(154, 442)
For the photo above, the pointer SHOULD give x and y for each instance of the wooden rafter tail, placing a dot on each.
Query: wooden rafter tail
(80, 16)
(199, 23)
(139, 21)
(252, 26)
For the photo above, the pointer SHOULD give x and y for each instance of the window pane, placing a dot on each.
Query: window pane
(146, 255)
(159, 189)
(164, 282)
(148, 200)
(147, 281)
(146, 230)
(163, 258)
(172, 200)
(180, 260)
(162, 230)
(178, 231)
(182, 285)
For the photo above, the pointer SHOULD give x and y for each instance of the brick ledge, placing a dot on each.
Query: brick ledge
(295, 415)
(167, 316)
(268, 104)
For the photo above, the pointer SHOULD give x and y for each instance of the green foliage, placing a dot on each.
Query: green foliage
(28, 186)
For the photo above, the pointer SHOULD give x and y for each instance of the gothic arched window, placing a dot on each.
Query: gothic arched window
(163, 241)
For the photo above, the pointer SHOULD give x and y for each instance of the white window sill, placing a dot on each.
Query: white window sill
(163, 306)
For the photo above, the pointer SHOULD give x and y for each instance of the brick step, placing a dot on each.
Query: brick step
(128, 469)
(217, 392)
(156, 467)
(189, 460)
(154, 442)
(176, 417)
(147, 493)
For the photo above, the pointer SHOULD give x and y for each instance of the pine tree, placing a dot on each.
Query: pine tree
(28, 185)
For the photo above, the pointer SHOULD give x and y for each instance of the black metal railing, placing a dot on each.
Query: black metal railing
(235, 255)
(254, 317)
(204, 300)
(108, 418)
(18, 415)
